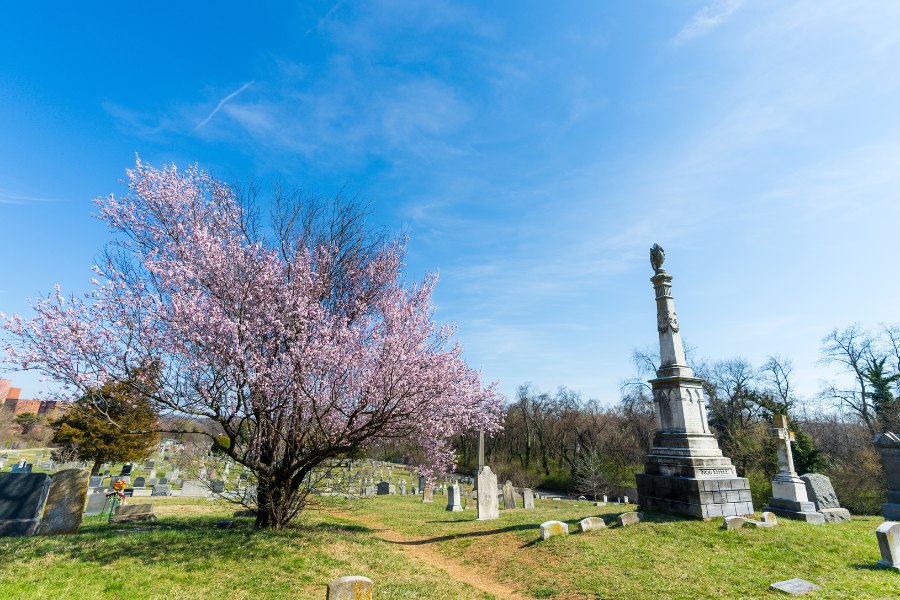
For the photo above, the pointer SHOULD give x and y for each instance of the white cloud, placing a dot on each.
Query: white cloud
(707, 19)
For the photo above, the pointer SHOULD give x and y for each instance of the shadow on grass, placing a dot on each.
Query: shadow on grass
(458, 536)
(178, 541)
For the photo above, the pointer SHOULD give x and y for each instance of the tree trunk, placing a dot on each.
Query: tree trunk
(95, 470)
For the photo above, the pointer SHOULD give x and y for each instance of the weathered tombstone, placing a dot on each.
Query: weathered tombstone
(552, 528)
(95, 505)
(527, 498)
(193, 489)
(22, 498)
(139, 482)
(795, 586)
(685, 462)
(509, 496)
(789, 497)
(161, 490)
(488, 503)
(384, 488)
(769, 518)
(65, 502)
(152, 481)
(888, 445)
(733, 523)
(590, 524)
(630, 518)
(453, 499)
(821, 493)
(888, 534)
(369, 490)
(427, 496)
(422, 483)
(95, 481)
(218, 486)
(129, 513)
(350, 588)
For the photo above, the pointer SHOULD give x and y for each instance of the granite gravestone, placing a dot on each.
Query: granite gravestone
(22, 498)
(95, 481)
(96, 503)
(888, 445)
(139, 482)
(488, 503)
(821, 493)
(383, 488)
(161, 490)
(65, 502)
(685, 471)
(527, 498)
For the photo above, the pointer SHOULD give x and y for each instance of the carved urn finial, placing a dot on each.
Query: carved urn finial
(657, 256)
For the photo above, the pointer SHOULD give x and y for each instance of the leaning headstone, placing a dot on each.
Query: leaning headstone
(22, 498)
(789, 499)
(488, 503)
(888, 445)
(795, 587)
(129, 513)
(591, 523)
(453, 504)
(509, 496)
(630, 518)
(65, 502)
(95, 481)
(888, 534)
(733, 523)
(95, 505)
(350, 588)
(527, 498)
(821, 493)
(428, 496)
(552, 528)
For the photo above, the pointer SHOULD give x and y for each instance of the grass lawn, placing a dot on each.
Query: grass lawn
(183, 555)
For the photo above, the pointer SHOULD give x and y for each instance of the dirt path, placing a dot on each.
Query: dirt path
(421, 551)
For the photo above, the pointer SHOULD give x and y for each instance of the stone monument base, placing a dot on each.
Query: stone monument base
(797, 511)
(701, 498)
(835, 515)
(890, 511)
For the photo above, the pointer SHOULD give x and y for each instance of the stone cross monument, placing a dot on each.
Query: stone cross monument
(788, 490)
(685, 471)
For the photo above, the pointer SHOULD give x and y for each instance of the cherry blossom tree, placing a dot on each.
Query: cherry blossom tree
(300, 339)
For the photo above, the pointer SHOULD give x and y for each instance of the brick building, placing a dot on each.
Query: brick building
(12, 403)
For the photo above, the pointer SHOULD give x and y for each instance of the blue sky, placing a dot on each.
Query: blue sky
(534, 151)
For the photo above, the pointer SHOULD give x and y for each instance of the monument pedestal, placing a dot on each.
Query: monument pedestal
(790, 500)
(889, 446)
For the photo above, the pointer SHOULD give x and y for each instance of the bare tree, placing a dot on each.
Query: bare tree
(849, 350)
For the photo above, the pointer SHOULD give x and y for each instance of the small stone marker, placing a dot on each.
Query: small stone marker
(350, 588)
(888, 534)
(551, 528)
(428, 496)
(133, 512)
(733, 523)
(795, 586)
(453, 504)
(509, 496)
(769, 518)
(599, 503)
(22, 498)
(590, 524)
(95, 505)
(161, 490)
(630, 518)
(65, 502)
(821, 493)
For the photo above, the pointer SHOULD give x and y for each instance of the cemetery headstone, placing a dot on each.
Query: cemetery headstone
(795, 586)
(685, 462)
(383, 488)
(888, 445)
(821, 493)
(22, 468)
(96, 503)
(161, 490)
(527, 498)
(129, 513)
(193, 489)
(95, 481)
(163, 481)
(733, 523)
(888, 534)
(350, 588)
(488, 503)
(453, 499)
(218, 486)
(22, 498)
(65, 502)
(126, 470)
(553, 528)
(630, 518)
(139, 482)
(369, 490)
(509, 496)
(590, 524)
(152, 481)
(789, 497)
(427, 496)
(422, 483)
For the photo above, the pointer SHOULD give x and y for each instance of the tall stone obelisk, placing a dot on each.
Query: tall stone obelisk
(685, 471)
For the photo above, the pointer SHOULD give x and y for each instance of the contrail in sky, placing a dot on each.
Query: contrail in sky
(322, 20)
(224, 100)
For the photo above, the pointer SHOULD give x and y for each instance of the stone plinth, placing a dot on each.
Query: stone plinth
(888, 445)
(65, 502)
(453, 499)
(684, 471)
